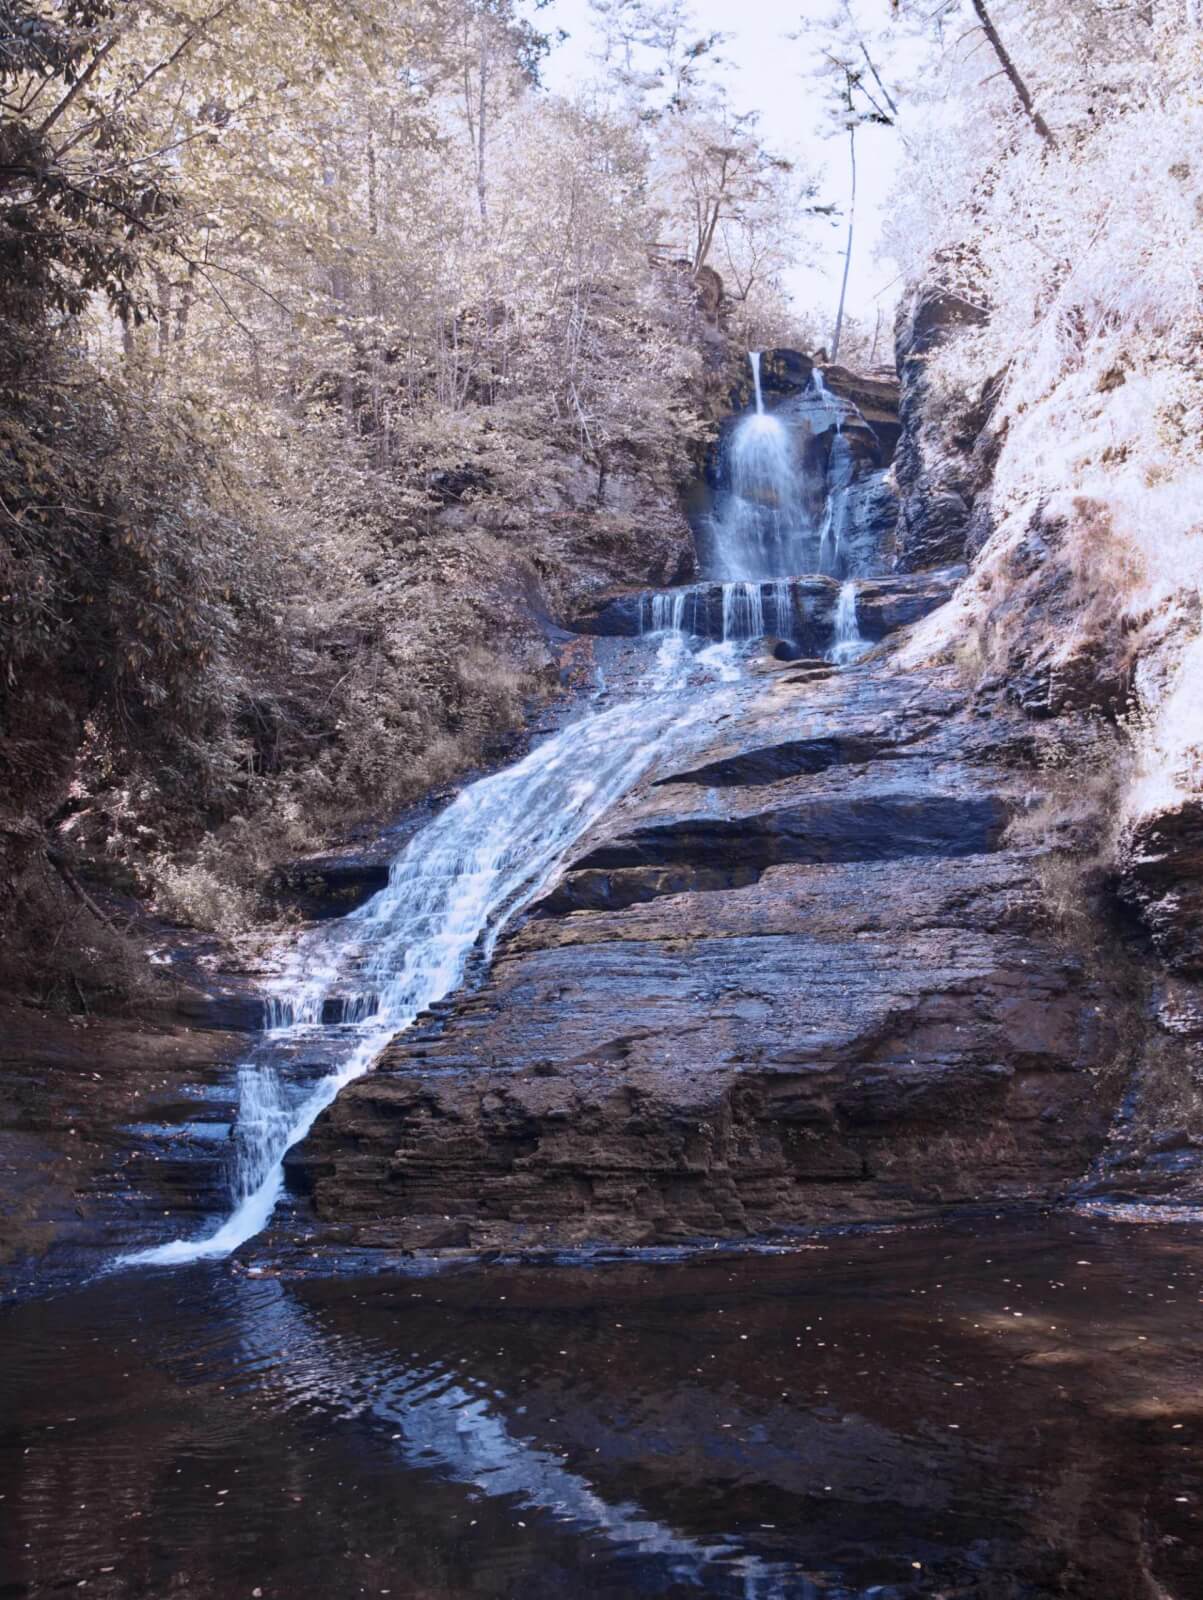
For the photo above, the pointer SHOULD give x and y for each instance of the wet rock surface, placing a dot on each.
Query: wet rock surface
(800, 609)
(104, 1124)
(802, 977)
(329, 886)
(785, 374)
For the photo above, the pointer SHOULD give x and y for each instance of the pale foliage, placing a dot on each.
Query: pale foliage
(1088, 258)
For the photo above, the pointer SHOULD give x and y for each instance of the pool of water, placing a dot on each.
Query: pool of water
(999, 1407)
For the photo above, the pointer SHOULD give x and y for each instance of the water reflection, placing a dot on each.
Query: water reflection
(443, 1421)
(1006, 1410)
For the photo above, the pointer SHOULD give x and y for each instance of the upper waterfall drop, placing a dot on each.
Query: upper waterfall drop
(754, 356)
(781, 502)
(761, 527)
(792, 497)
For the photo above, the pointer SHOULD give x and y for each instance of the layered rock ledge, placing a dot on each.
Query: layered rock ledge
(802, 609)
(805, 976)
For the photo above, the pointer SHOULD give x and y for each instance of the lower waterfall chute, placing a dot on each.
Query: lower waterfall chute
(450, 894)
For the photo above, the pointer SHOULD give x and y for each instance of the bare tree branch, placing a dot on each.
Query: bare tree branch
(87, 74)
(1012, 72)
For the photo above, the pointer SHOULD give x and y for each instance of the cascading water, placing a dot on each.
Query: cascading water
(781, 604)
(787, 507)
(761, 527)
(782, 508)
(351, 986)
(665, 613)
(450, 894)
(743, 611)
(743, 616)
(754, 357)
(848, 645)
(832, 538)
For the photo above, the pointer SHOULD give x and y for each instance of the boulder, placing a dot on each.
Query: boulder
(1161, 878)
(331, 885)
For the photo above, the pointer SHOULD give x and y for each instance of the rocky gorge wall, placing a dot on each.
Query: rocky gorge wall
(863, 957)
(869, 951)
(810, 979)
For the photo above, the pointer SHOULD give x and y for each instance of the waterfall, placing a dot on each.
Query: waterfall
(760, 527)
(766, 522)
(781, 599)
(350, 987)
(664, 613)
(762, 514)
(848, 645)
(450, 894)
(679, 611)
(743, 611)
(840, 473)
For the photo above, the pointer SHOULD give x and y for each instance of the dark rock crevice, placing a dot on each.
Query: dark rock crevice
(946, 453)
(1162, 880)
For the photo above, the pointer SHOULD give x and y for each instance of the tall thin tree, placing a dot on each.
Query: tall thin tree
(839, 318)
(1012, 72)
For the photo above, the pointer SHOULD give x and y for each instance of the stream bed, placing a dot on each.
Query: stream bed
(996, 1406)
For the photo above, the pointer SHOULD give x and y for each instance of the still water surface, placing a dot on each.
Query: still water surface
(999, 1408)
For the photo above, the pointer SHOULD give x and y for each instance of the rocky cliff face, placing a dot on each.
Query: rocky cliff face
(811, 976)
(942, 465)
(1064, 619)
(860, 957)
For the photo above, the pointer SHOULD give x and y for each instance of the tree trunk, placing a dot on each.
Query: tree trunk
(706, 238)
(839, 319)
(164, 295)
(375, 298)
(1008, 66)
(708, 218)
(184, 306)
(482, 190)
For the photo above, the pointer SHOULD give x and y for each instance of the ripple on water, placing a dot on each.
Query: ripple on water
(1004, 1408)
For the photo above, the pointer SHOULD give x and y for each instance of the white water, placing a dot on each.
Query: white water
(755, 360)
(458, 882)
(767, 521)
(761, 527)
(840, 472)
(781, 602)
(665, 612)
(848, 645)
(451, 891)
(743, 611)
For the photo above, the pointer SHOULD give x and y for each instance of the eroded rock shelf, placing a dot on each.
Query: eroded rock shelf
(806, 978)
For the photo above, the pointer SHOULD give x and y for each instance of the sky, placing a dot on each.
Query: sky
(769, 73)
